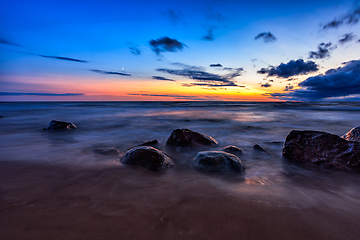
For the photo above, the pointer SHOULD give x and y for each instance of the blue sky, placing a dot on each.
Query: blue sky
(179, 50)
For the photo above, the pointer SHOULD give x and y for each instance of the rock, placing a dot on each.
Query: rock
(107, 151)
(147, 157)
(217, 161)
(187, 138)
(60, 125)
(327, 150)
(353, 135)
(232, 149)
(149, 143)
(257, 147)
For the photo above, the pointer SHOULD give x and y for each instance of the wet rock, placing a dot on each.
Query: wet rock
(217, 161)
(60, 125)
(257, 147)
(107, 151)
(353, 135)
(325, 149)
(147, 157)
(233, 150)
(187, 138)
(150, 143)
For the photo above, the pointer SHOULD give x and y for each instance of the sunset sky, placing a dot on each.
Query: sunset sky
(179, 50)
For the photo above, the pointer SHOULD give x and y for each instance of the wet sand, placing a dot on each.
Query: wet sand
(48, 201)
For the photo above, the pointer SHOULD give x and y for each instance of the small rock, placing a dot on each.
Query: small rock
(353, 135)
(147, 157)
(327, 150)
(232, 149)
(257, 147)
(107, 151)
(149, 143)
(217, 161)
(60, 125)
(187, 138)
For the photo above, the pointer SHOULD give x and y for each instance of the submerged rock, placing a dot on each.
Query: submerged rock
(327, 150)
(257, 147)
(217, 161)
(149, 143)
(187, 138)
(147, 157)
(107, 151)
(60, 125)
(232, 149)
(353, 135)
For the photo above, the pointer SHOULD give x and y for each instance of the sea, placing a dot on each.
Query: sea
(275, 198)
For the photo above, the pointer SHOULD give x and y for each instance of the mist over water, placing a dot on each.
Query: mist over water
(64, 164)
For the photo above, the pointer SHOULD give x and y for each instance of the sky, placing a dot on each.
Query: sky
(228, 50)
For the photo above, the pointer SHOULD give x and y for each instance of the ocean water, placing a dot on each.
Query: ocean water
(326, 202)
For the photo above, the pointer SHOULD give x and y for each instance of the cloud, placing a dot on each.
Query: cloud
(292, 68)
(162, 78)
(343, 81)
(266, 85)
(288, 88)
(8, 42)
(213, 15)
(39, 94)
(216, 65)
(62, 58)
(199, 75)
(266, 36)
(134, 48)
(347, 38)
(271, 80)
(230, 84)
(209, 36)
(165, 44)
(174, 17)
(322, 52)
(348, 19)
(110, 73)
(176, 96)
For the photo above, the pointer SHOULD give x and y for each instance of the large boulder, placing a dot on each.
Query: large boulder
(187, 138)
(327, 150)
(217, 161)
(60, 125)
(233, 150)
(147, 157)
(353, 135)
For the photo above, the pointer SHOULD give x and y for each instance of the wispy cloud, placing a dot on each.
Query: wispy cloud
(292, 68)
(39, 94)
(266, 36)
(110, 73)
(210, 34)
(134, 48)
(323, 51)
(347, 38)
(343, 81)
(8, 42)
(62, 58)
(348, 19)
(174, 17)
(165, 44)
(162, 78)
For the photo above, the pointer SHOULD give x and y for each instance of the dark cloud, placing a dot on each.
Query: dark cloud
(134, 48)
(266, 36)
(288, 88)
(8, 42)
(292, 68)
(199, 75)
(322, 52)
(266, 85)
(216, 65)
(213, 15)
(347, 38)
(230, 84)
(62, 58)
(338, 82)
(162, 78)
(110, 73)
(210, 35)
(165, 44)
(271, 80)
(174, 16)
(39, 94)
(350, 18)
